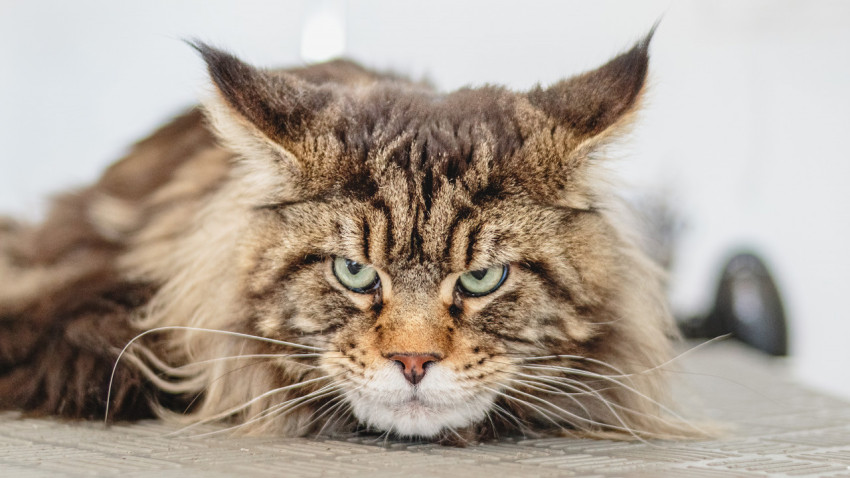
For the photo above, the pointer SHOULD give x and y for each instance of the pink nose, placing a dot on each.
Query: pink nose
(414, 365)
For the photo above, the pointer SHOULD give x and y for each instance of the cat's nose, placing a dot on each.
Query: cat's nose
(414, 365)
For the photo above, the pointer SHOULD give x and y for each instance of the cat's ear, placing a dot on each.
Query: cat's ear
(257, 109)
(592, 105)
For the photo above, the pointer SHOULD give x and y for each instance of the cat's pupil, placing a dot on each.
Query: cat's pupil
(353, 267)
(479, 274)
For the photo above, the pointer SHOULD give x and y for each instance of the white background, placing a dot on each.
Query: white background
(745, 128)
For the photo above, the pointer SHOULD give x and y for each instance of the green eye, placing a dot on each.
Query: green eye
(482, 282)
(357, 277)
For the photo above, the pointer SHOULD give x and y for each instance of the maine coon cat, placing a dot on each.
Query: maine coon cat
(328, 248)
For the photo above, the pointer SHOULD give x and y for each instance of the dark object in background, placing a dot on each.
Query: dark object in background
(747, 306)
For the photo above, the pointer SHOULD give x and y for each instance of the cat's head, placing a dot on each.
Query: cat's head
(438, 247)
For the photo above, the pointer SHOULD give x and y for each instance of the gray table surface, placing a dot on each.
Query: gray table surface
(777, 428)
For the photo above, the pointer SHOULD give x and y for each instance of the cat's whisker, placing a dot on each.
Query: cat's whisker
(276, 411)
(259, 418)
(460, 437)
(338, 399)
(345, 415)
(536, 383)
(589, 391)
(618, 383)
(578, 385)
(319, 411)
(193, 329)
(292, 403)
(556, 368)
(161, 383)
(249, 356)
(160, 365)
(489, 416)
(580, 372)
(543, 412)
(383, 437)
(210, 383)
(340, 411)
(287, 407)
(339, 406)
(247, 404)
(680, 422)
(569, 414)
(583, 388)
(554, 391)
(186, 370)
(573, 384)
(678, 357)
(622, 373)
(544, 387)
(509, 416)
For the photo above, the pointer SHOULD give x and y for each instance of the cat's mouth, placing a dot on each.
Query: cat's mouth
(439, 403)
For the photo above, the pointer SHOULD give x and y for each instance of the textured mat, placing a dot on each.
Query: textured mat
(780, 429)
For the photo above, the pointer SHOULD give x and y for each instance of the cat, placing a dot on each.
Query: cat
(327, 248)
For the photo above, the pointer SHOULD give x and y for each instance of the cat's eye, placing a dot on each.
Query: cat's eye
(483, 281)
(355, 276)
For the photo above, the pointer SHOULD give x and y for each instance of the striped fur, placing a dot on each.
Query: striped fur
(209, 238)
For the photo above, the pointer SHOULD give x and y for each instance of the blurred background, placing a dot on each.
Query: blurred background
(744, 132)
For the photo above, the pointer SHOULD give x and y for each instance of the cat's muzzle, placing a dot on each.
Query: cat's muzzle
(435, 402)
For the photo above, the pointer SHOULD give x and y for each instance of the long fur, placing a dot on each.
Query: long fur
(223, 227)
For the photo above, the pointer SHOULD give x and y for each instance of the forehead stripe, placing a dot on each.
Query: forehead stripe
(380, 205)
(470, 244)
(366, 233)
(462, 215)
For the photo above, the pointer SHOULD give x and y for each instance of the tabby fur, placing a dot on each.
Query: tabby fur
(228, 219)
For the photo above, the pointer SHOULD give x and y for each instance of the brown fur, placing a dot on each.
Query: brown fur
(336, 161)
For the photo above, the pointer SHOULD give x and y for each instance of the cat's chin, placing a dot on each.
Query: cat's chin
(437, 404)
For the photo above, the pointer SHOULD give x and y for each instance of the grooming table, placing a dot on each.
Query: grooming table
(777, 428)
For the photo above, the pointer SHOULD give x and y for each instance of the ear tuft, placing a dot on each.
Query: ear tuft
(592, 102)
(233, 78)
(278, 104)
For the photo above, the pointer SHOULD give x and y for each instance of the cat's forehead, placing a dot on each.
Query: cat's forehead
(434, 176)
(389, 133)
(440, 127)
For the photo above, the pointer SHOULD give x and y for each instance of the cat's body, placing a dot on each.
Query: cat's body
(499, 293)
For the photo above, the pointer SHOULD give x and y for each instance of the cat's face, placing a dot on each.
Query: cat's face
(428, 244)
